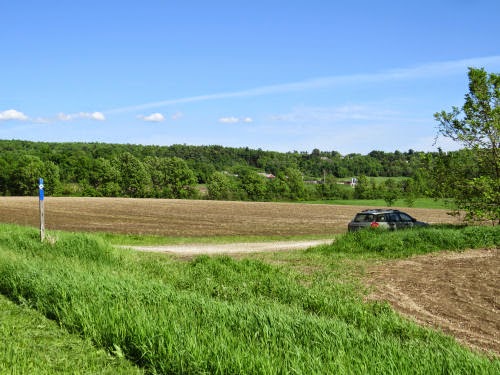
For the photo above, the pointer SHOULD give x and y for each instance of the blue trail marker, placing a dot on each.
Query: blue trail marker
(42, 208)
(41, 189)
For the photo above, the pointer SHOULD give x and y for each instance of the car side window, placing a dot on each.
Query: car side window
(393, 217)
(405, 217)
(381, 218)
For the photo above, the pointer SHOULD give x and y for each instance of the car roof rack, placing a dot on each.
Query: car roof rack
(375, 210)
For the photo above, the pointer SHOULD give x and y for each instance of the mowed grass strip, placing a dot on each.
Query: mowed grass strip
(217, 315)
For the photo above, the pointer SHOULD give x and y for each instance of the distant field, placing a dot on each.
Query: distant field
(191, 218)
(419, 203)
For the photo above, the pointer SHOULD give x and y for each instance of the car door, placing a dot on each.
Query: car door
(405, 221)
(393, 221)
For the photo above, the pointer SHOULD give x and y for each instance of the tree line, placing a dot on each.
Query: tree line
(117, 170)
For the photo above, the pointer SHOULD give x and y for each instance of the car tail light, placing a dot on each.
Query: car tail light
(374, 224)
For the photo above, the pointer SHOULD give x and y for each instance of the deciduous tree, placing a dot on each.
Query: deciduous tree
(476, 126)
(219, 186)
(135, 181)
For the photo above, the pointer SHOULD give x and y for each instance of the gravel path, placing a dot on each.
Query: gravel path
(232, 248)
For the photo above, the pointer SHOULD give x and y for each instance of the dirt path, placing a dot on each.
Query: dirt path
(232, 248)
(458, 293)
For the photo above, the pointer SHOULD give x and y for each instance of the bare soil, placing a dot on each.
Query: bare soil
(457, 293)
(189, 218)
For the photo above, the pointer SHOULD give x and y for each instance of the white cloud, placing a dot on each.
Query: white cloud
(99, 116)
(229, 120)
(235, 120)
(64, 117)
(153, 117)
(12, 114)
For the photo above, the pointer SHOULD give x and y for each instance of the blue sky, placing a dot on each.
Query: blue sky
(278, 75)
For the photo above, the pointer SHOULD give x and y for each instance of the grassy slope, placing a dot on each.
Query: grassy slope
(219, 315)
(33, 344)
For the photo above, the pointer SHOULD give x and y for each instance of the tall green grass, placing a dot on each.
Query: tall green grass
(33, 344)
(217, 315)
(395, 244)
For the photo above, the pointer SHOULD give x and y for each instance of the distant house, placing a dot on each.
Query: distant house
(352, 182)
(267, 175)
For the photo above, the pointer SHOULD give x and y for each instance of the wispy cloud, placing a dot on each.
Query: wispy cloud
(429, 70)
(344, 113)
(177, 116)
(12, 114)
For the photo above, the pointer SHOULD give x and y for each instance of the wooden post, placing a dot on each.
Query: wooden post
(42, 209)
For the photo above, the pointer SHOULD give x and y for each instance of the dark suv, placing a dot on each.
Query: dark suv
(388, 219)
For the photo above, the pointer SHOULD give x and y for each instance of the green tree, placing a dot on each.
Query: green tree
(331, 189)
(104, 178)
(252, 184)
(50, 175)
(409, 189)
(180, 180)
(219, 186)
(295, 183)
(476, 126)
(171, 177)
(368, 189)
(29, 170)
(390, 191)
(135, 180)
(5, 177)
(277, 187)
(158, 171)
(362, 189)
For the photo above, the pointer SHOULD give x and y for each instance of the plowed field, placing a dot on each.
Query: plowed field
(457, 293)
(188, 218)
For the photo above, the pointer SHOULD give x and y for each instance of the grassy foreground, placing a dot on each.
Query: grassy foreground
(220, 315)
